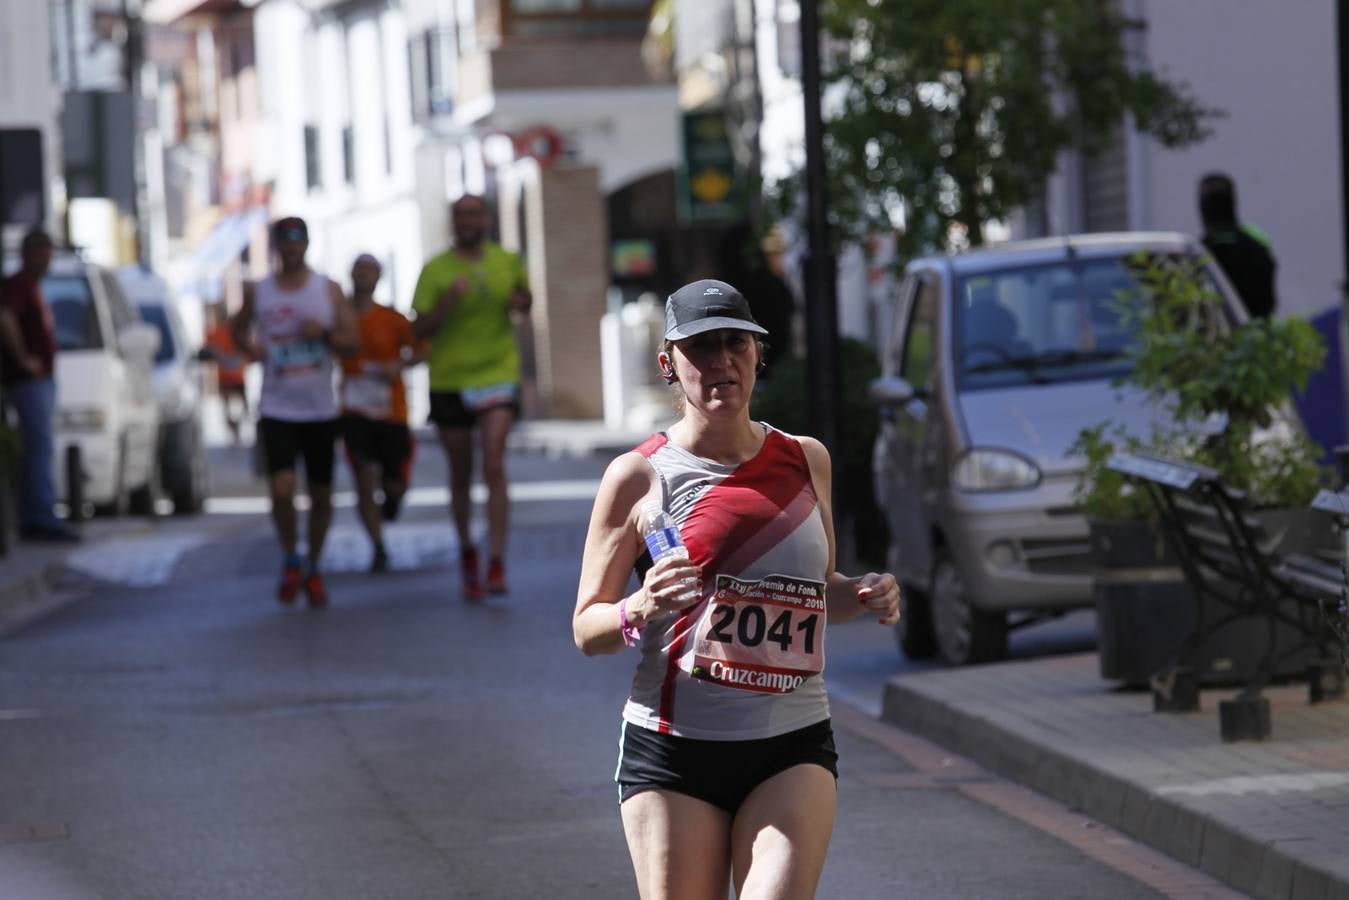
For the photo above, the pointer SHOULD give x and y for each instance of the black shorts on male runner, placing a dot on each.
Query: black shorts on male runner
(283, 441)
(722, 773)
(386, 444)
(448, 409)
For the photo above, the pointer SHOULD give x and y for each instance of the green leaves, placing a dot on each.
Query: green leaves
(954, 111)
(1225, 385)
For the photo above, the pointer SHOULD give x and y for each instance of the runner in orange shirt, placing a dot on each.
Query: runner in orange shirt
(230, 368)
(374, 404)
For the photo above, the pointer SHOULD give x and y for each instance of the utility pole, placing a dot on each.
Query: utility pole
(822, 360)
(133, 56)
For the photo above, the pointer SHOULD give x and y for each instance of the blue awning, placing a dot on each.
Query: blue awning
(221, 247)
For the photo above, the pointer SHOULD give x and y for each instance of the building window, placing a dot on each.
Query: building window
(348, 155)
(312, 172)
(577, 18)
(432, 65)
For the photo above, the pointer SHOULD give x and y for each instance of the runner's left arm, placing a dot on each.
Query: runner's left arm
(521, 298)
(847, 597)
(343, 338)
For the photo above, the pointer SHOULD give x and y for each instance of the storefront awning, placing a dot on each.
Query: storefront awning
(221, 247)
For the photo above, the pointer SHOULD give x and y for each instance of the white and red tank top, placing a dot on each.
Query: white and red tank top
(747, 661)
(297, 374)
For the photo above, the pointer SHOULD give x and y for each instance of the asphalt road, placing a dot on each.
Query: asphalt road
(176, 734)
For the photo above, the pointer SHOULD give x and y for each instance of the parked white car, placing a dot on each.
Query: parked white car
(107, 418)
(178, 389)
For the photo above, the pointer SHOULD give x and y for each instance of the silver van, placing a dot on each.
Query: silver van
(994, 361)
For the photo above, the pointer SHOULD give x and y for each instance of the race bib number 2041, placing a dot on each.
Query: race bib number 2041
(765, 636)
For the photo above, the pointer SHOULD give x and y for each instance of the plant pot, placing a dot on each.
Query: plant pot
(1145, 609)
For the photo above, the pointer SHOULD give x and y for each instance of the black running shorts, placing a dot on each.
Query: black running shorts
(448, 409)
(283, 441)
(385, 444)
(719, 772)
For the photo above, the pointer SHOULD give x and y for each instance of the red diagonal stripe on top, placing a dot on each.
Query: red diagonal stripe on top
(736, 522)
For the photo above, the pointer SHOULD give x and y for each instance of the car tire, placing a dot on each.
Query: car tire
(190, 492)
(144, 498)
(914, 632)
(117, 506)
(964, 634)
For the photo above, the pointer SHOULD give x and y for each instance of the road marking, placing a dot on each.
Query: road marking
(135, 562)
(524, 492)
(935, 768)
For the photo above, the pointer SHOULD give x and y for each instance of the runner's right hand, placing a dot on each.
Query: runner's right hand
(454, 293)
(667, 589)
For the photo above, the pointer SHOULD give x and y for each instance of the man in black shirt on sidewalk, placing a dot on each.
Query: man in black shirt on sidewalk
(1242, 251)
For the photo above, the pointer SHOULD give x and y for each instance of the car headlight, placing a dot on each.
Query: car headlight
(994, 470)
(80, 418)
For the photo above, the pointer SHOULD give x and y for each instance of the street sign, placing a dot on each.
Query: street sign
(711, 187)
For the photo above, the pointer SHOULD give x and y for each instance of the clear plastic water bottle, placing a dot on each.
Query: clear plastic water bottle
(662, 539)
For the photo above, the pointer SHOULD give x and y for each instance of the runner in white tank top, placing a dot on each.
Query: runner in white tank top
(726, 737)
(297, 374)
(294, 321)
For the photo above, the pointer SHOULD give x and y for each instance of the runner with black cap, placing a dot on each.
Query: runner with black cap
(727, 765)
(294, 322)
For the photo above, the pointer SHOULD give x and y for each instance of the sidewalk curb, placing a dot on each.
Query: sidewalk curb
(1246, 861)
(27, 598)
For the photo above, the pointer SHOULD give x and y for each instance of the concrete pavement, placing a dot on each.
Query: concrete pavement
(1271, 819)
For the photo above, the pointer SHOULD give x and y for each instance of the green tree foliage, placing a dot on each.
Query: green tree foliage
(955, 110)
(1223, 387)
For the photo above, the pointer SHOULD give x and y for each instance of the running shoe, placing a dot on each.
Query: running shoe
(289, 588)
(317, 593)
(380, 562)
(496, 576)
(468, 567)
(390, 506)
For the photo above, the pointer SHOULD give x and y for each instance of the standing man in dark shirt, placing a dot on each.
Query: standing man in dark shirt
(1242, 251)
(28, 340)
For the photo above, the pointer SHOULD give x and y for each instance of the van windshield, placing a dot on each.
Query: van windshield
(154, 314)
(73, 312)
(1046, 323)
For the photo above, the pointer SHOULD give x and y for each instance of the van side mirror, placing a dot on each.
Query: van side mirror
(138, 341)
(890, 390)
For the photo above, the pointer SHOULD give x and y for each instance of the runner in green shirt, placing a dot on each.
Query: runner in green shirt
(465, 300)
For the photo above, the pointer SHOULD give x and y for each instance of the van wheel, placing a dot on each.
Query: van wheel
(143, 498)
(965, 635)
(117, 506)
(914, 632)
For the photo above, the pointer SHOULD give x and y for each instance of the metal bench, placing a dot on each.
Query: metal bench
(1326, 577)
(1235, 572)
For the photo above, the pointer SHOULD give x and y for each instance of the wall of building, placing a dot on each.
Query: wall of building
(28, 96)
(1273, 67)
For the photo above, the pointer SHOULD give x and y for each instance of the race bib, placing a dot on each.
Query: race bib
(481, 398)
(370, 396)
(765, 636)
(296, 355)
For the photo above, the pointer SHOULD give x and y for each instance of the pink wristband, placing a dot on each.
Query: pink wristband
(629, 631)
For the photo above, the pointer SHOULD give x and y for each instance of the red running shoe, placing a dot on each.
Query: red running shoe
(496, 576)
(289, 588)
(468, 568)
(317, 593)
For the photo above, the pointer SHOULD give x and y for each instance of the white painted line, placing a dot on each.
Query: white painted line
(525, 492)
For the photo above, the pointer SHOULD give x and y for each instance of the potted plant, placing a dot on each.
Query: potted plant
(1225, 395)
